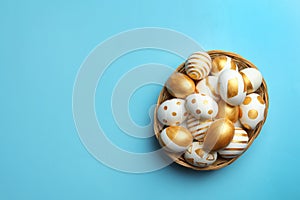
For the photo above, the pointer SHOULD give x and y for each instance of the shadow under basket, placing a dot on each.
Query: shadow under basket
(220, 162)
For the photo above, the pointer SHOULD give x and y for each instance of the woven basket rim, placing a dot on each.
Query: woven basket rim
(220, 163)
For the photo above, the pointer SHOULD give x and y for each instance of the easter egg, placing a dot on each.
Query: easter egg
(196, 156)
(231, 87)
(237, 145)
(172, 112)
(197, 127)
(221, 63)
(201, 106)
(218, 135)
(208, 86)
(252, 79)
(175, 139)
(252, 110)
(198, 65)
(180, 85)
(227, 111)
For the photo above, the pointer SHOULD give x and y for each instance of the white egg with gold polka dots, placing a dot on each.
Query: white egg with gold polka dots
(252, 79)
(231, 87)
(195, 155)
(172, 112)
(208, 86)
(175, 139)
(237, 145)
(221, 63)
(201, 106)
(198, 65)
(252, 111)
(197, 127)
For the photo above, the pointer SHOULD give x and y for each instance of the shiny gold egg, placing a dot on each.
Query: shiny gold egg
(227, 111)
(218, 135)
(180, 85)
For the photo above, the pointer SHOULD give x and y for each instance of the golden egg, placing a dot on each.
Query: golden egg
(180, 85)
(175, 139)
(218, 135)
(221, 63)
(228, 111)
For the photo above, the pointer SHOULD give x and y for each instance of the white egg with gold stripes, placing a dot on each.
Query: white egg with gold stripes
(198, 65)
(252, 111)
(237, 145)
(198, 127)
(231, 87)
(196, 156)
(175, 139)
(208, 86)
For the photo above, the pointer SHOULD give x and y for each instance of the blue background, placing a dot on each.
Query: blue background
(42, 46)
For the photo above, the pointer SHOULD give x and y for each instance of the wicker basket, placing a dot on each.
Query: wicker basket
(221, 162)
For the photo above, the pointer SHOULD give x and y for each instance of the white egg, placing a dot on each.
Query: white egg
(237, 146)
(252, 110)
(175, 139)
(198, 65)
(197, 127)
(221, 63)
(208, 86)
(231, 87)
(172, 112)
(195, 155)
(252, 79)
(201, 106)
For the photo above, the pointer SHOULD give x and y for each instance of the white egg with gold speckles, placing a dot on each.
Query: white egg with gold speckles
(252, 79)
(195, 155)
(175, 139)
(252, 110)
(201, 106)
(198, 127)
(237, 145)
(221, 63)
(231, 87)
(208, 86)
(172, 112)
(198, 65)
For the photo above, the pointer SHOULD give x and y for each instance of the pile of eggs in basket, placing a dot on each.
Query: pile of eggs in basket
(213, 106)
